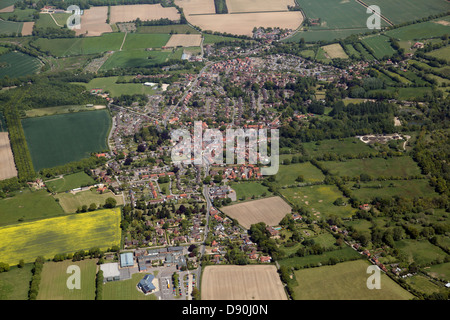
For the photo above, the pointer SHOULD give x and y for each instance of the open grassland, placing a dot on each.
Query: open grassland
(144, 40)
(41, 112)
(247, 190)
(345, 281)
(343, 254)
(16, 64)
(346, 146)
(144, 12)
(419, 251)
(288, 174)
(139, 58)
(388, 189)
(423, 30)
(7, 165)
(93, 22)
(270, 211)
(54, 276)
(60, 139)
(184, 40)
(409, 10)
(440, 271)
(69, 182)
(380, 45)
(15, 283)
(423, 284)
(318, 200)
(257, 282)
(109, 84)
(59, 235)
(258, 5)
(28, 205)
(70, 202)
(335, 51)
(126, 289)
(375, 167)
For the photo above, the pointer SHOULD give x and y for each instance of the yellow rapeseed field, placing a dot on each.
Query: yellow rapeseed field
(66, 234)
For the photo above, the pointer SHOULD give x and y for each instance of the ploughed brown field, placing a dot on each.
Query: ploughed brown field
(93, 21)
(127, 13)
(7, 166)
(184, 40)
(270, 210)
(250, 282)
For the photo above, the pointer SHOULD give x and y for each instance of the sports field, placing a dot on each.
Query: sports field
(60, 139)
(270, 211)
(69, 182)
(54, 276)
(17, 64)
(7, 165)
(58, 235)
(251, 282)
(70, 202)
(345, 281)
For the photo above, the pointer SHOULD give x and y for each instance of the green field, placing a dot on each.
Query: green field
(143, 41)
(71, 202)
(60, 139)
(16, 64)
(422, 284)
(443, 53)
(7, 3)
(58, 235)
(15, 284)
(318, 200)
(10, 27)
(126, 289)
(3, 127)
(409, 10)
(249, 189)
(69, 182)
(419, 251)
(345, 281)
(287, 174)
(54, 276)
(423, 30)
(175, 28)
(388, 189)
(57, 110)
(139, 58)
(109, 84)
(19, 14)
(28, 206)
(375, 167)
(346, 146)
(380, 45)
(440, 271)
(343, 254)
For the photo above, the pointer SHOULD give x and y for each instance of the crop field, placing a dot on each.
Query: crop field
(419, 251)
(288, 174)
(318, 200)
(248, 190)
(258, 5)
(7, 165)
(60, 139)
(27, 28)
(60, 109)
(387, 189)
(70, 202)
(257, 282)
(59, 235)
(143, 41)
(423, 30)
(380, 45)
(54, 277)
(201, 13)
(10, 27)
(175, 28)
(17, 64)
(443, 53)
(399, 166)
(144, 12)
(126, 289)
(93, 22)
(27, 206)
(117, 89)
(270, 211)
(6, 4)
(345, 281)
(409, 10)
(184, 40)
(69, 182)
(15, 284)
(335, 51)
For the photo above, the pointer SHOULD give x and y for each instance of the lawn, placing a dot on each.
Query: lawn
(66, 234)
(345, 281)
(16, 64)
(15, 283)
(288, 174)
(28, 206)
(126, 289)
(318, 200)
(117, 89)
(54, 276)
(71, 202)
(375, 167)
(249, 189)
(419, 251)
(60, 139)
(69, 182)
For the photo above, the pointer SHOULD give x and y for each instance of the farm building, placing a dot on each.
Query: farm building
(110, 271)
(126, 260)
(146, 284)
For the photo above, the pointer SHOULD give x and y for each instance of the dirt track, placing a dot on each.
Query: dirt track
(7, 166)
